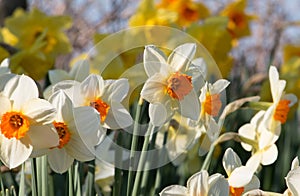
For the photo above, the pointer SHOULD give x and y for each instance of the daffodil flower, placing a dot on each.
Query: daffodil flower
(72, 125)
(292, 179)
(265, 152)
(277, 113)
(103, 95)
(240, 178)
(168, 84)
(24, 121)
(199, 184)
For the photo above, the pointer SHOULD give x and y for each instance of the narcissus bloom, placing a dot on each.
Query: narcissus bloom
(200, 184)
(168, 84)
(240, 178)
(293, 178)
(25, 121)
(77, 129)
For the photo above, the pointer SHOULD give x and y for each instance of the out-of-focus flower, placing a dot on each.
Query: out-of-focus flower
(25, 121)
(71, 125)
(103, 95)
(168, 87)
(200, 184)
(147, 14)
(188, 11)
(265, 152)
(293, 178)
(238, 24)
(240, 178)
(104, 176)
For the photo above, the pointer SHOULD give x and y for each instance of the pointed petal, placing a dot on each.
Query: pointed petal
(39, 111)
(59, 160)
(197, 184)
(154, 89)
(158, 114)
(295, 163)
(292, 181)
(218, 186)
(58, 75)
(20, 89)
(247, 131)
(219, 86)
(213, 129)
(277, 86)
(254, 161)
(153, 60)
(116, 90)
(240, 177)
(14, 152)
(182, 56)
(117, 117)
(44, 136)
(174, 190)
(190, 106)
(92, 87)
(269, 156)
(5, 105)
(230, 161)
(80, 70)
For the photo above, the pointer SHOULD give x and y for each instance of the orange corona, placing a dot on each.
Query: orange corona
(101, 107)
(282, 110)
(63, 133)
(236, 191)
(179, 85)
(212, 104)
(14, 124)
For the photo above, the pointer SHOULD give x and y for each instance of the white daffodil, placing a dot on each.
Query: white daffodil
(200, 184)
(211, 104)
(78, 72)
(240, 178)
(293, 178)
(277, 113)
(169, 84)
(72, 126)
(265, 152)
(4, 67)
(24, 120)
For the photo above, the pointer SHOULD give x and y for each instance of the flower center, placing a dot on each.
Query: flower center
(236, 191)
(101, 107)
(179, 85)
(14, 124)
(212, 104)
(63, 133)
(282, 111)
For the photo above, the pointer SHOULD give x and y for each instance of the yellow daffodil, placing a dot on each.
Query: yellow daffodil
(168, 87)
(238, 24)
(188, 11)
(240, 178)
(200, 184)
(77, 129)
(25, 121)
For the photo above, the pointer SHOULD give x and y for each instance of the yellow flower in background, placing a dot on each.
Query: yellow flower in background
(187, 10)
(8, 37)
(238, 24)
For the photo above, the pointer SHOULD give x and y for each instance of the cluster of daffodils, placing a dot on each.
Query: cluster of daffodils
(187, 110)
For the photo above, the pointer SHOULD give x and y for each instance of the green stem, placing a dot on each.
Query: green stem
(91, 178)
(207, 160)
(33, 177)
(134, 145)
(70, 181)
(118, 171)
(142, 159)
(42, 175)
(77, 184)
(22, 181)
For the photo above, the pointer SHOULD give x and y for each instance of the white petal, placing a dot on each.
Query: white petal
(230, 161)
(219, 86)
(14, 152)
(247, 131)
(295, 163)
(20, 89)
(269, 156)
(87, 122)
(254, 161)
(63, 105)
(4, 66)
(174, 190)
(92, 87)
(240, 177)
(252, 185)
(4, 79)
(293, 98)
(292, 181)
(153, 60)
(58, 75)
(277, 86)
(218, 186)
(190, 106)
(157, 114)
(5, 105)
(204, 89)
(80, 70)
(213, 129)
(59, 160)
(44, 136)
(154, 89)
(197, 184)
(257, 118)
(182, 56)
(266, 139)
(104, 170)
(117, 117)
(116, 90)
(39, 111)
